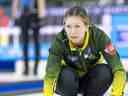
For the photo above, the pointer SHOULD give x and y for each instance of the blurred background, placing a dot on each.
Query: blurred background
(109, 15)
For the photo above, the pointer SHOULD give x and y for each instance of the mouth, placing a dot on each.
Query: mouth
(73, 37)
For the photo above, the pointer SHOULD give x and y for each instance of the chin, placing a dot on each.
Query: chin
(76, 43)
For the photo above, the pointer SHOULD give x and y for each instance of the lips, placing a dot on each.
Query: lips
(73, 37)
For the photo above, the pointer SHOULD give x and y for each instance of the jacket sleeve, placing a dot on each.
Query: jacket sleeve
(112, 57)
(52, 68)
(118, 73)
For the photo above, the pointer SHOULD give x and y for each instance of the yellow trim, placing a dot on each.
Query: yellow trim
(86, 40)
(101, 60)
(54, 85)
(63, 62)
(48, 87)
(118, 83)
(71, 46)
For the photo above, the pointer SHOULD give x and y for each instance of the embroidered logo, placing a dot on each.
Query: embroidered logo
(110, 49)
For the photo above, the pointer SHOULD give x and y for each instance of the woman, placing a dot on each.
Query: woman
(29, 21)
(76, 61)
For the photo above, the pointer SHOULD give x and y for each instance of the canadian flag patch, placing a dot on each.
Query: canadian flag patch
(110, 49)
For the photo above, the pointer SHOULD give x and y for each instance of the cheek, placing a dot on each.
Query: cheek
(83, 30)
(67, 30)
(81, 35)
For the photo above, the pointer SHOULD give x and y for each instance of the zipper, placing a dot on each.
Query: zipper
(81, 59)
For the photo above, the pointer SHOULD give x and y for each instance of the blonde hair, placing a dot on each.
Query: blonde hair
(78, 11)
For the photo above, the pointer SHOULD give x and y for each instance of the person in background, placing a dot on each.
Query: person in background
(4, 19)
(29, 20)
(76, 61)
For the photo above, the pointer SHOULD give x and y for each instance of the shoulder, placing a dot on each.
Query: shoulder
(57, 43)
(99, 37)
(61, 36)
(96, 30)
(97, 33)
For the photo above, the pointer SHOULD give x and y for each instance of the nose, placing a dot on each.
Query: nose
(72, 31)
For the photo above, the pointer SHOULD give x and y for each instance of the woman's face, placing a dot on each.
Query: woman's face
(75, 29)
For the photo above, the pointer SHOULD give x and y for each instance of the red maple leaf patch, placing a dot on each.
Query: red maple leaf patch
(110, 49)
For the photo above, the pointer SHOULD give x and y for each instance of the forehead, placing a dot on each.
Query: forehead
(73, 20)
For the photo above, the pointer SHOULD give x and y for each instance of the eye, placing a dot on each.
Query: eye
(77, 26)
(86, 24)
(68, 26)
